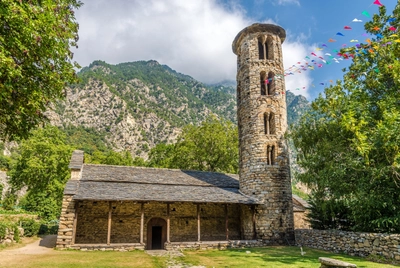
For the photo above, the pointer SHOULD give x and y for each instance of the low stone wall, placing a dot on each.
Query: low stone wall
(111, 247)
(214, 244)
(352, 243)
(9, 236)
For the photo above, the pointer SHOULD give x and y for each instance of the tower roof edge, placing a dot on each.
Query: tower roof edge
(258, 27)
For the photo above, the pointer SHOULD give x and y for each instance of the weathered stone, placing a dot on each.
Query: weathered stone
(332, 263)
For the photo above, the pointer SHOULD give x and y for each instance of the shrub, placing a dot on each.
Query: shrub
(47, 228)
(16, 233)
(30, 226)
(3, 230)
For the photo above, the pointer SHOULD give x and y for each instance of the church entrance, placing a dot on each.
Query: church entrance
(156, 233)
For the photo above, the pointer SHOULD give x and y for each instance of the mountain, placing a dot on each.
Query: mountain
(133, 106)
(136, 105)
(296, 106)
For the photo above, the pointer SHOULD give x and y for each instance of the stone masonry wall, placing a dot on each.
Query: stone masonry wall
(262, 176)
(65, 229)
(300, 220)
(92, 221)
(353, 243)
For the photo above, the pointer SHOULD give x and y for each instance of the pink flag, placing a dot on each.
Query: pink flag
(377, 3)
(347, 27)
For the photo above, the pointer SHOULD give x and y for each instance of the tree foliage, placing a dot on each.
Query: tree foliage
(211, 146)
(41, 164)
(36, 61)
(110, 157)
(349, 142)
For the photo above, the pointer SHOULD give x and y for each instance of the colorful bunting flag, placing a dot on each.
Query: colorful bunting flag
(339, 33)
(365, 13)
(347, 27)
(377, 3)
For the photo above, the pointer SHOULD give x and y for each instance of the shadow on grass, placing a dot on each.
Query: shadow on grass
(278, 257)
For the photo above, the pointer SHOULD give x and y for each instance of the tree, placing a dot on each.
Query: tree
(111, 157)
(41, 164)
(349, 144)
(211, 146)
(36, 61)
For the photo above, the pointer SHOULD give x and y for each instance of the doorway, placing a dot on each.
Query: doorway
(156, 233)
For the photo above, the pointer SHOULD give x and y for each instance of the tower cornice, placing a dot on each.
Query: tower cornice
(255, 28)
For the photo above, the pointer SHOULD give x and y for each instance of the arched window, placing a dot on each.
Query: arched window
(271, 123)
(271, 84)
(263, 79)
(260, 50)
(270, 155)
(266, 124)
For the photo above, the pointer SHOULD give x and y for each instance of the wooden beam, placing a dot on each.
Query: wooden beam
(168, 223)
(141, 222)
(75, 223)
(198, 222)
(109, 222)
(254, 222)
(226, 222)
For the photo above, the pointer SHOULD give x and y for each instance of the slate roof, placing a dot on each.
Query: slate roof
(105, 182)
(76, 160)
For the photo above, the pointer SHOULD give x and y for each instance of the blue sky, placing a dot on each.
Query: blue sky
(194, 37)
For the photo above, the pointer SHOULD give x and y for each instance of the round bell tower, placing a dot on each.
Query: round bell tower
(264, 171)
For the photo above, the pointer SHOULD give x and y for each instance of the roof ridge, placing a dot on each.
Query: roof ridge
(145, 182)
(154, 168)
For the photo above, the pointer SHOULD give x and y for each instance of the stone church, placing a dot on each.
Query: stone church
(119, 207)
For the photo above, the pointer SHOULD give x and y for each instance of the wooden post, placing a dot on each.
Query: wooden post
(168, 223)
(226, 222)
(109, 222)
(75, 223)
(141, 222)
(254, 222)
(198, 222)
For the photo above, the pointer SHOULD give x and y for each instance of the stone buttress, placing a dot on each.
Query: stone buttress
(67, 225)
(264, 171)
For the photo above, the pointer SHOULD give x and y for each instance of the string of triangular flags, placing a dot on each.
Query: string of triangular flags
(318, 59)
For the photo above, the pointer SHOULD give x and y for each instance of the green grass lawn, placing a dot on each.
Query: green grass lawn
(260, 257)
(281, 257)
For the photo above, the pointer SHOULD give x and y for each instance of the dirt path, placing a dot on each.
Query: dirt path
(43, 245)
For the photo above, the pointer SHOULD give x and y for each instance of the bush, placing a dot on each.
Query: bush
(3, 230)
(16, 233)
(47, 228)
(30, 226)
(9, 201)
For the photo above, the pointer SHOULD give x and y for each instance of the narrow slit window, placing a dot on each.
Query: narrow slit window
(270, 155)
(263, 82)
(266, 124)
(260, 50)
(271, 84)
(271, 124)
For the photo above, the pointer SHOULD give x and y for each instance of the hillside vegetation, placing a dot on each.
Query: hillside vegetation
(135, 106)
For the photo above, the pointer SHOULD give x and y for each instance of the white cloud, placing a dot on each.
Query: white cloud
(288, 2)
(192, 37)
